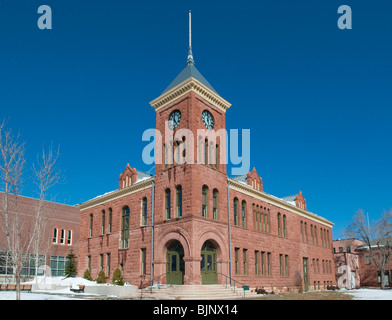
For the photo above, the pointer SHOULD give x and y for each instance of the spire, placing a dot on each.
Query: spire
(190, 60)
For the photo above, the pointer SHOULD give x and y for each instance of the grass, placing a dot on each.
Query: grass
(326, 295)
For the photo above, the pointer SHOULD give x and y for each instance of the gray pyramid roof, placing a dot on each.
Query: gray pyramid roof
(189, 71)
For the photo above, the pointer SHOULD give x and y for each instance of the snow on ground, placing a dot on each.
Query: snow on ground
(63, 293)
(369, 294)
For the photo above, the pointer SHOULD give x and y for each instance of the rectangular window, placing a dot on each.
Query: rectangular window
(108, 265)
(281, 264)
(286, 264)
(256, 263)
(57, 266)
(245, 257)
(103, 222)
(143, 262)
(100, 262)
(236, 258)
(167, 204)
(269, 263)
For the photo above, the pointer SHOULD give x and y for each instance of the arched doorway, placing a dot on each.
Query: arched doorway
(175, 266)
(208, 268)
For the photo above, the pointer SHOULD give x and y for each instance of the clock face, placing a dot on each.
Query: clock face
(208, 120)
(174, 119)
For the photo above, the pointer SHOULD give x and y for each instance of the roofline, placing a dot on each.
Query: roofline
(261, 195)
(136, 187)
(190, 85)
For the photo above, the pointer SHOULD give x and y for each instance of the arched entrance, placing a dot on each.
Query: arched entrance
(175, 266)
(208, 268)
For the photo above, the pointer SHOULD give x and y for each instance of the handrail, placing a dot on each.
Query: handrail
(231, 282)
(151, 282)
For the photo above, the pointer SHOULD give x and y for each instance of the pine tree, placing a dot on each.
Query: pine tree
(117, 277)
(101, 277)
(70, 265)
(87, 275)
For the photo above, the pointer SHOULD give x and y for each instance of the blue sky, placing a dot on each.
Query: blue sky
(317, 99)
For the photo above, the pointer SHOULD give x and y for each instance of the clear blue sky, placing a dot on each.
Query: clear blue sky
(317, 99)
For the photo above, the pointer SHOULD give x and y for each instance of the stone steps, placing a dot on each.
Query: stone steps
(195, 292)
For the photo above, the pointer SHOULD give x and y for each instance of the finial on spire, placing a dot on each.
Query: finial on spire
(190, 55)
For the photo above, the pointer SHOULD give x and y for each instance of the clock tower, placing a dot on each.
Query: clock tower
(191, 176)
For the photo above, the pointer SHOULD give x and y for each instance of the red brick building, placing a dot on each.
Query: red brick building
(190, 223)
(59, 236)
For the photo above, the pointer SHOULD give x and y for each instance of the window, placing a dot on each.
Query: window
(144, 212)
(69, 237)
(263, 263)
(215, 195)
(57, 266)
(125, 228)
(245, 258)
(205, 201)
(29, 265)
(143, 261)
(103, 222)
(243, 213)
(284, 226)
(286, 264)
(62, 236)
(256, 263)
(281, 264)
(235, 211)
(279, 225)
(179, 201)
(108, 265)
(110, 221)
(269, 263)
(89, 263)
(216, 156)
(236, 258)
(91, 225)
(100, 262)
(55, 235)
(167, 204)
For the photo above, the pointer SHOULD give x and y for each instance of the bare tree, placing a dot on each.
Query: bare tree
(21, 236)
(46, 175)
(377, 238)
(11, 168)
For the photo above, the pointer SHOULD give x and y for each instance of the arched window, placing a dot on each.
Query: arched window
(55, 235)
(215, 197)
(279, 225)
(204, 201)
(144, 212)
(91, 225)
(69, 237)
(125, 228)
(243, 211)
(62, 236)
(206, 151)
(103, 222)
(178, 201)
(284, 226)
(167, 204)
(110, 221)
(235, 211)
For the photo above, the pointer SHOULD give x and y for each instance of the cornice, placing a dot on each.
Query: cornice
(190, 85)
(243, 188)
(137, 187)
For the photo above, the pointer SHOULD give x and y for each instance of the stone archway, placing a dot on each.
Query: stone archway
(214, 253)
(208, 264)
(175, 264)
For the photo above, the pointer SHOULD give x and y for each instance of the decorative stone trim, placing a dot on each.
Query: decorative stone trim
(139, 186)
(187, 86)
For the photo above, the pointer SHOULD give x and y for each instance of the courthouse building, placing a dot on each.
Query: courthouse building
(190, 223)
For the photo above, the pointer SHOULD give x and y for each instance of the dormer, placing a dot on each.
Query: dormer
(297, 200)
(300, 201)
(127, 178)
(253, 179)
